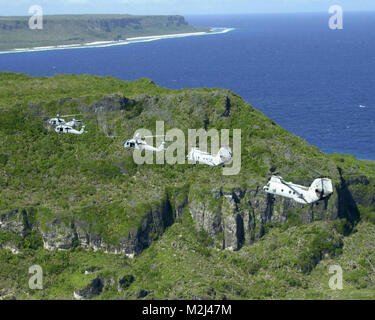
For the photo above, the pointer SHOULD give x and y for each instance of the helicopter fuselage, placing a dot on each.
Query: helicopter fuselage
(56, 121)
(321, 188)
(139, 144)
(224, 156)
(197, 156)
(69, 129)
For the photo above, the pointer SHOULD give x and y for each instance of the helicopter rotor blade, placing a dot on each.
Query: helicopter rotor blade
(316, 172)
(160, 135)
(71, 115)
(278, 172)
(61, 116)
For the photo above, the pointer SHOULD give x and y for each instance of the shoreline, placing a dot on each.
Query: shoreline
(111, 43)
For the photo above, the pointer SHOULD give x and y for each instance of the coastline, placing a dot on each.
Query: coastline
(102, 44)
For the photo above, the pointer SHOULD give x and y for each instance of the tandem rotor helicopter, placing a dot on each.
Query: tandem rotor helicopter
(138, 144)
(224, 156)
(320, 189)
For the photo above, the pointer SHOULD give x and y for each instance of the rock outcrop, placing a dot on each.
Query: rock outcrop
(241, 215)
(95, 288)
(236, 218)
(63, 234)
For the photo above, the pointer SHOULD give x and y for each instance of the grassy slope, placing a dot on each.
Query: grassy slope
(58, 175)
(76, 29)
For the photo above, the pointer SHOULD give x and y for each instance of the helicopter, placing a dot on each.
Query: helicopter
(60, 121)
(62, 128)
(320, 189)
(139, 144)
(222, 157)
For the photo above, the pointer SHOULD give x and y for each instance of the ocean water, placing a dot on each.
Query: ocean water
(317, 83)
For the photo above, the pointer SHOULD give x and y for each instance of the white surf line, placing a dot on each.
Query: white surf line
(102, 44)
(173, 35)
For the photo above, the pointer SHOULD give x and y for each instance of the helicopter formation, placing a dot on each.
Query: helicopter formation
(195, 155)
(319, 190)
(61, 126)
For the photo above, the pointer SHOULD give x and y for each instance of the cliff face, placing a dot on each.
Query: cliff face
(136, 23)
(106, 23)
(64, 234)
(233, 218)
(241, 216)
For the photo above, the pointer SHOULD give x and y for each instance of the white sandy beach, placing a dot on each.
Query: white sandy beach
(173, 35)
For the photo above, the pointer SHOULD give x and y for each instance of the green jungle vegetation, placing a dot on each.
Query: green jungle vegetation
(92, 177)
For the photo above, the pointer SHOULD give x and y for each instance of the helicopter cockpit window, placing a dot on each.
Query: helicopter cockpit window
(132, 144)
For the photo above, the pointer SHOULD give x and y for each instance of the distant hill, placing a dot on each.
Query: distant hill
(78, 29)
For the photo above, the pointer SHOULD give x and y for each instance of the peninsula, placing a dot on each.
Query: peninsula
(76, 30)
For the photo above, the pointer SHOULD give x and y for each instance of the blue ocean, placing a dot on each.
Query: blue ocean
(316, 82)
